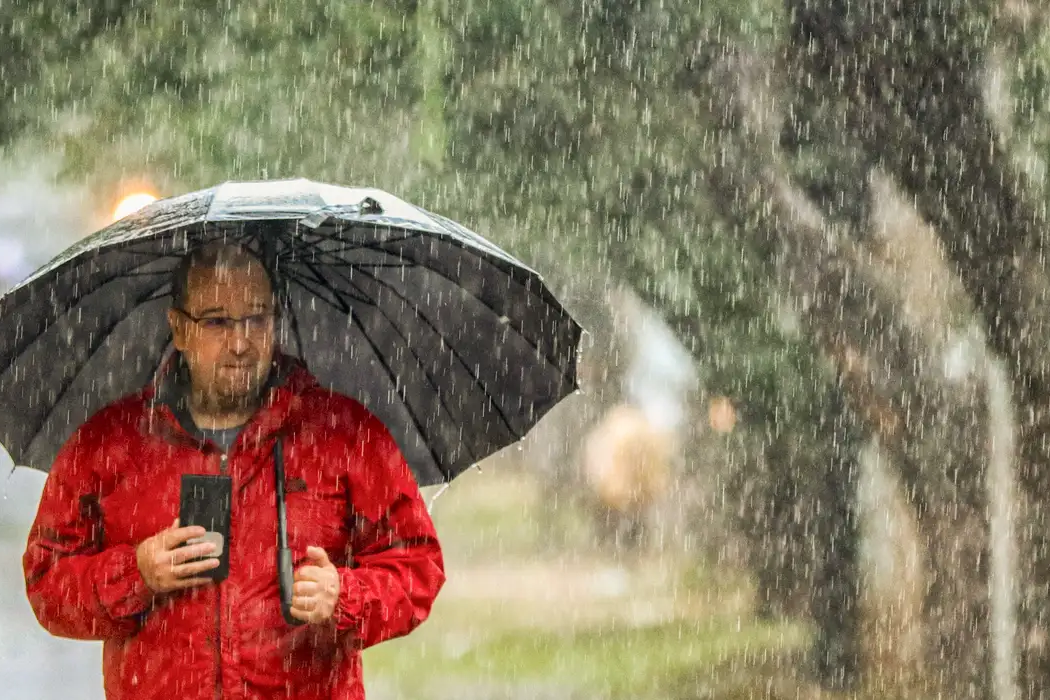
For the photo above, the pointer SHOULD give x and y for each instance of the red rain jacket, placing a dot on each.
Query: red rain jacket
(116, 482)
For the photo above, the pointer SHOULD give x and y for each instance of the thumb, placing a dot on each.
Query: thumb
(318, 555)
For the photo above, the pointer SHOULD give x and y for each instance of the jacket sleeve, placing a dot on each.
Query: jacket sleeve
(77, 588)
(397, 567)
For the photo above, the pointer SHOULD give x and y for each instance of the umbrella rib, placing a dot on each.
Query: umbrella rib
(69, 306)
(343, 264)
(318, 276)
(452, 349)
(302, 247)
(422, 367)
(284, 299)
(131, 249)
(160, 360)
(425, 320)
(68, 384)
(322, 280)
(160, 293)
(333, 260)
(535, 346)
(430, 378)
(408, 407)
(86, 250)
(313, 240)
(477, 380)
(325, 292)
(302, 281)
(389, 370)
(374, 266)
(308, 285)
(365, 300)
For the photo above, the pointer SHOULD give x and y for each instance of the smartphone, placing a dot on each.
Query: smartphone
(204, 500)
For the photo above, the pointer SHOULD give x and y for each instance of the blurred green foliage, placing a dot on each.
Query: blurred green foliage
(557, 128)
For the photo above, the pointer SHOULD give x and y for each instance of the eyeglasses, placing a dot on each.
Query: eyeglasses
(254, 324)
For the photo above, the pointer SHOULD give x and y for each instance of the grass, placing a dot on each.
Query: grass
(613, 662)
(522, 619)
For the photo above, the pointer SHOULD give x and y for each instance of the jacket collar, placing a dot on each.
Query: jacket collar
(166, 396)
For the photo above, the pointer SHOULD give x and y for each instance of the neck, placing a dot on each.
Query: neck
(208, 415)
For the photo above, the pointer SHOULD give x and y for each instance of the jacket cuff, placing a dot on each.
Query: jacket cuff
(119, 586)
(351, 601)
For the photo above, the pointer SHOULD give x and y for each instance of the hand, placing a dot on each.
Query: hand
(316, 588)
(162, 562)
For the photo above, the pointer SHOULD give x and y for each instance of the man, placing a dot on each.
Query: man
(106, 561)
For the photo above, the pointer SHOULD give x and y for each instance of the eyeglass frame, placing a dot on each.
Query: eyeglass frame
(228, 323)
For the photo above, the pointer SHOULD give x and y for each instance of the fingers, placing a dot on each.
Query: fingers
(307, 588)
(193, 568)
(194, 551)
(318, 555)
(300, 614)
(315, 588)
(315, 592)
(167, 564)
(310, 610)
(310, 573)
(178, 578)
(177, 536)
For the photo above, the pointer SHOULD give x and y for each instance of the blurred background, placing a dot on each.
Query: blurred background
(810, 457)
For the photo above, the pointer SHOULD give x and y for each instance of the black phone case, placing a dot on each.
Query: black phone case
(204, 500)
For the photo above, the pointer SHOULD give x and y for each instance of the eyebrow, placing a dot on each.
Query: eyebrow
(218, 309)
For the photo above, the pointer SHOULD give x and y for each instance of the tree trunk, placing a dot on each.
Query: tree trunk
(887, 367)
(913, 74)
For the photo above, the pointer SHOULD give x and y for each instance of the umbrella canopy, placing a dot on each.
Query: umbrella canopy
(455, 345)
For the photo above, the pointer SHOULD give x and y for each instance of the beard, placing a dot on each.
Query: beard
(234, 391)
(249, 397)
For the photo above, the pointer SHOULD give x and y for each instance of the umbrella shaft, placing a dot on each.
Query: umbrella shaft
(282, 518)
(285, 578)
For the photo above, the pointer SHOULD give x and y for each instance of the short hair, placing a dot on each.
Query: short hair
(212, 256)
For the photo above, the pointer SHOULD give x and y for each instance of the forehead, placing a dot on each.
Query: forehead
(226, 285)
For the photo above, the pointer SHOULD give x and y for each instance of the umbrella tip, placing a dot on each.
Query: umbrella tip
(369, 205)
(433, 499)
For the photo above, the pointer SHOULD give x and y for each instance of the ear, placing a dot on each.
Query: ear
(178, 330)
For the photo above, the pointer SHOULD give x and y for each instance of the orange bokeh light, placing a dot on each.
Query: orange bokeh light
(132, 203)
(721, 415)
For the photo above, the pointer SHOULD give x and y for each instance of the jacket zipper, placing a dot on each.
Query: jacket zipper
(218, 606)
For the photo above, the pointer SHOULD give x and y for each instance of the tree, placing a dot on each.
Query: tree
(593, 137)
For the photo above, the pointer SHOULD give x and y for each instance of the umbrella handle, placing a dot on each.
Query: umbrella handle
(285, 581)
(285, 574)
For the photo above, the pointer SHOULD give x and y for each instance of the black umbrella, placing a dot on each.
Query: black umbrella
(455, 345)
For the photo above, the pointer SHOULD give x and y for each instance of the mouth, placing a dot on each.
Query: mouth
(238, 368)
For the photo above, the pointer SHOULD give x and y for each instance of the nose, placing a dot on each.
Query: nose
(237, 339)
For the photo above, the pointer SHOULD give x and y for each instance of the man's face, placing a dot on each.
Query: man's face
(229, 361)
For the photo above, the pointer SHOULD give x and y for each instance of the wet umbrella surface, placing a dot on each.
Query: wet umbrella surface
(456, 346)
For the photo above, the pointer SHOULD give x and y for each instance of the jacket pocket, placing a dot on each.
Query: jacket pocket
(317, 519)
